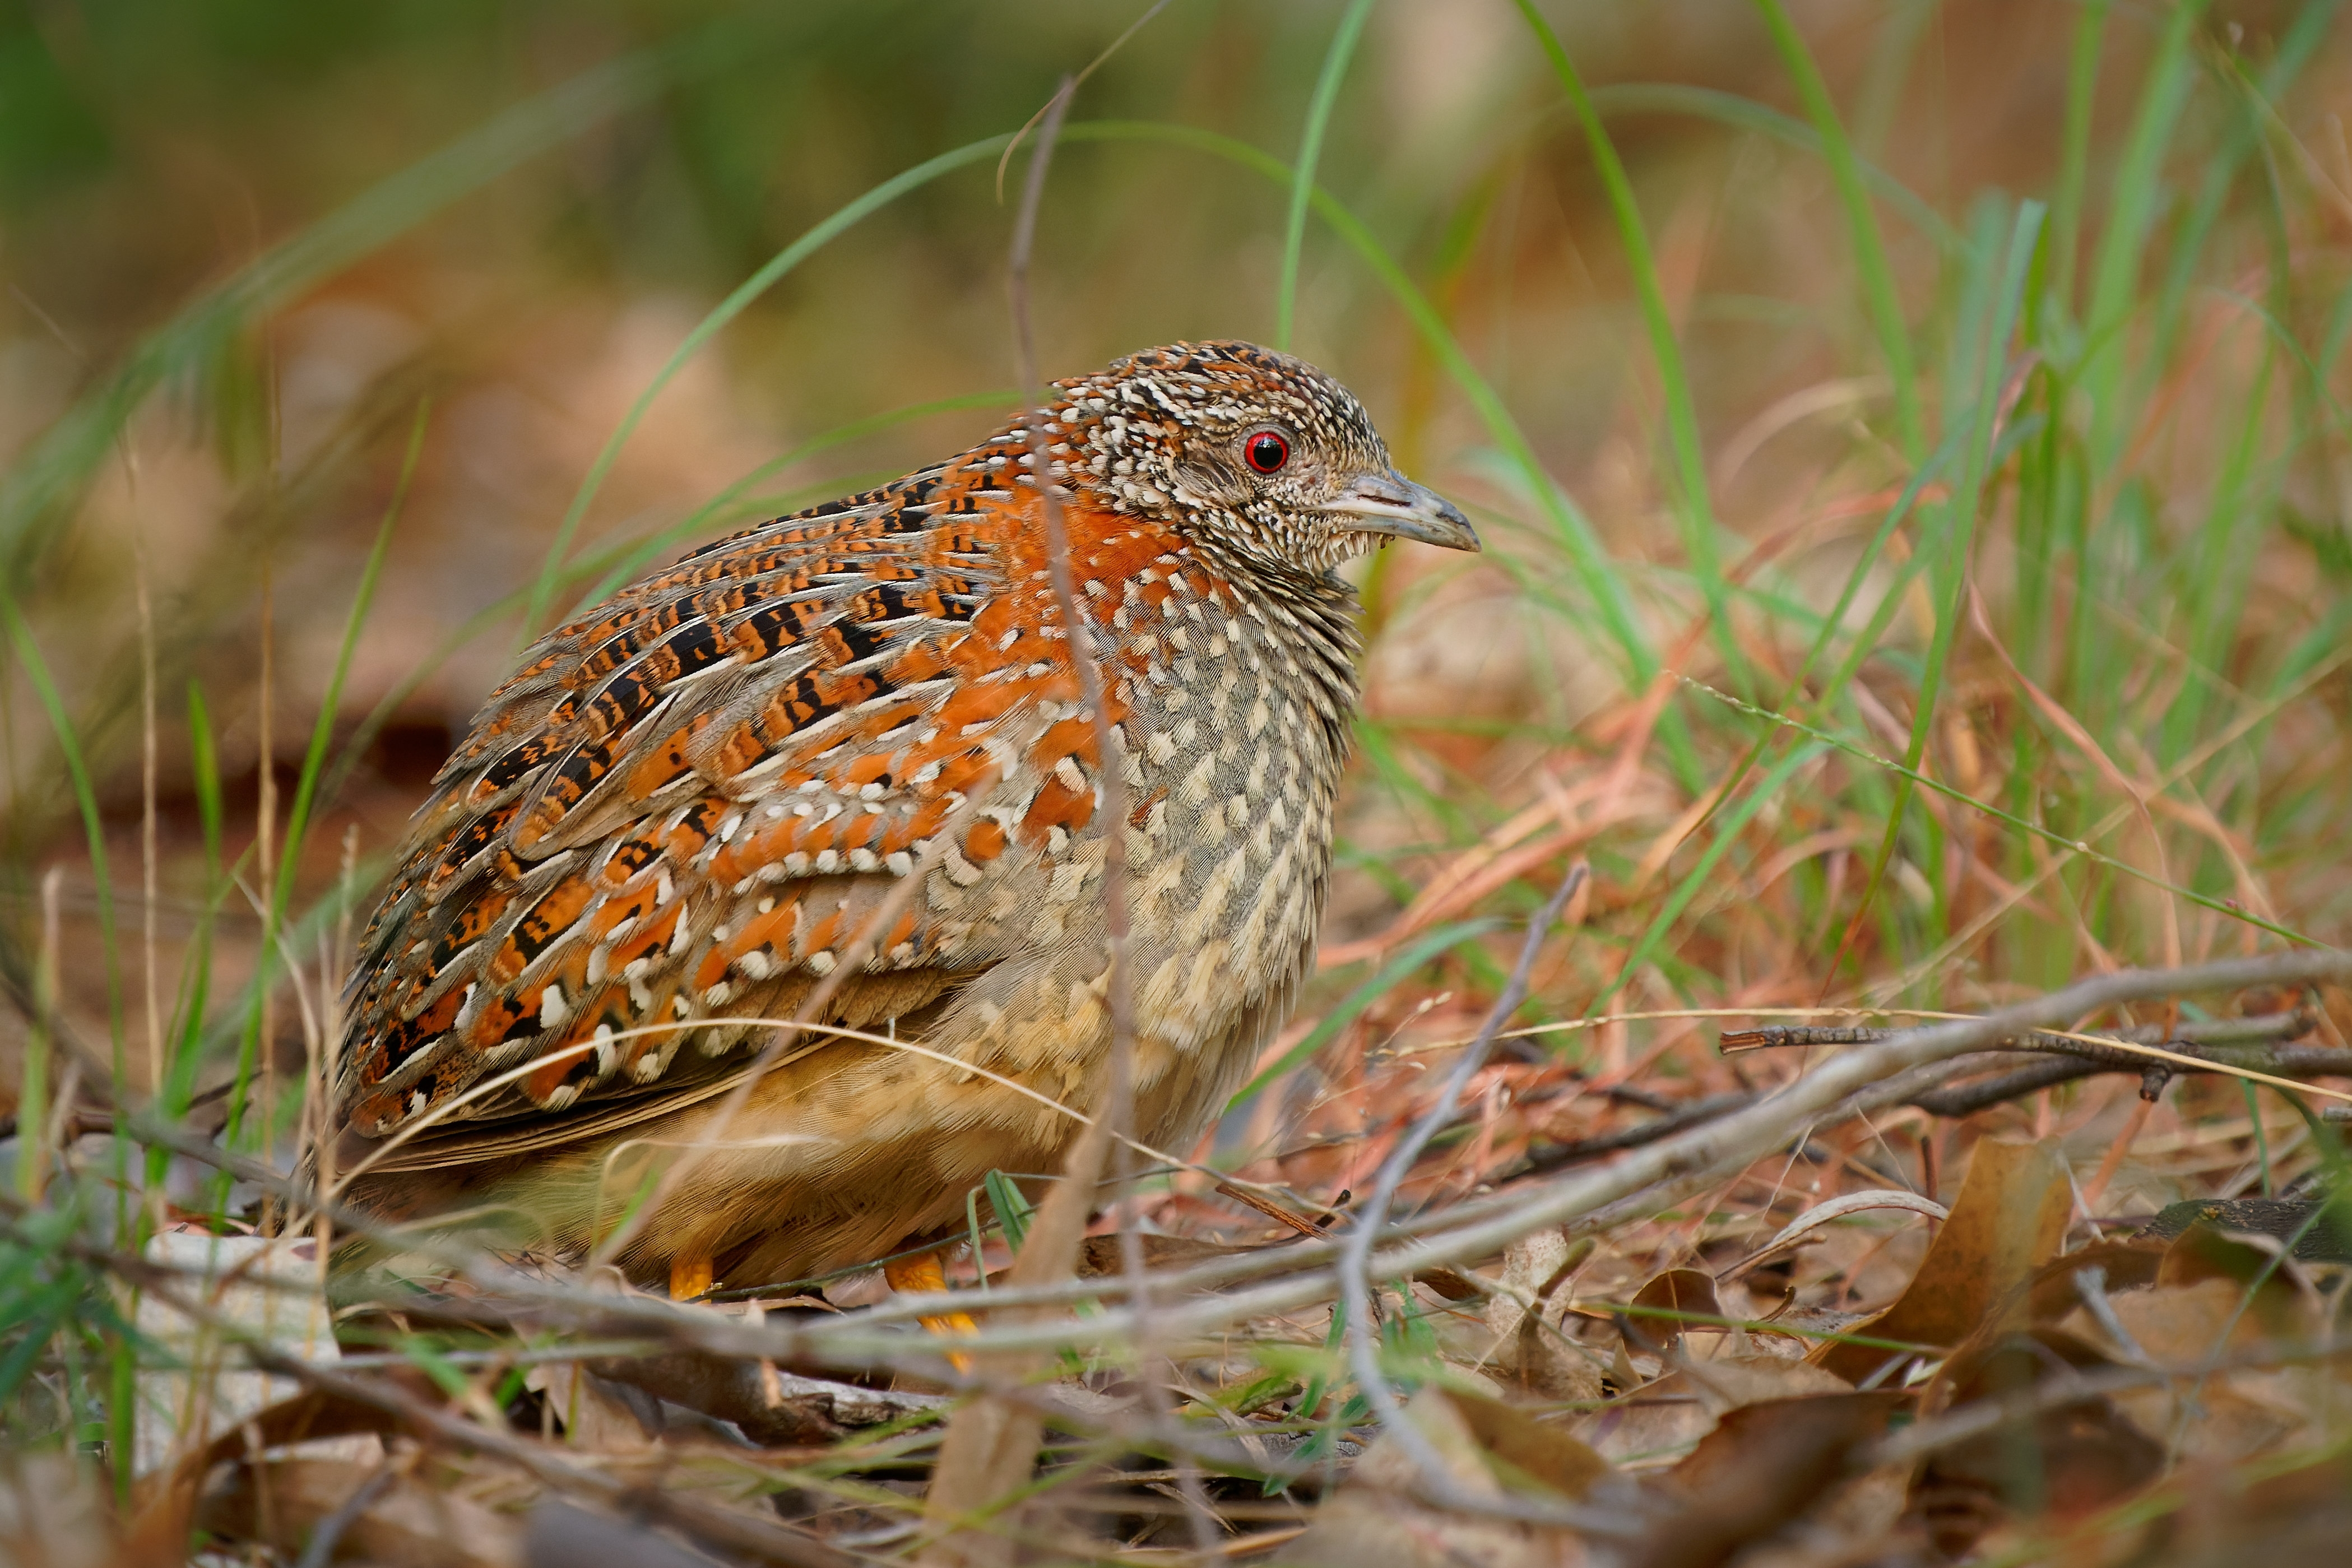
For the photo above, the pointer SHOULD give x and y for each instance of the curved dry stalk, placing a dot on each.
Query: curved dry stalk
(1356, 1249)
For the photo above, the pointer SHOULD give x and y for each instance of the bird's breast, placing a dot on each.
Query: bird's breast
(1236, 730)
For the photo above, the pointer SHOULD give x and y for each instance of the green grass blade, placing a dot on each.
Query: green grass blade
(1914, 776)
(61, 726)
(1756, 118)
(2221, 564)
(2138, 190)
(551, 567)
(1697, 509)
(1951, 567)
(2296, 48)
(36, 497)
(1835, 621)
(1879, 293)
(173, 1095)
(1387, 978)
(1310, 152)
(2074, 156)
(1726, 834)
(298, 819)
(298, 816)
(2262, 1136)
(1887, 71)
(1012, 1211)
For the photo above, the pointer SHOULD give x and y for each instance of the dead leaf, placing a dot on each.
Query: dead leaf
(1794, 1233)
(164, 1501)
(2225, 1415)
(1543, 1453)
(2055, 1465)
(269, 1289)
(281, 1503)
(1734, 1382)
(1662, 1310)
(1666, 1416)
(2180, 1326)
(1376, 1520)
(1530, 1347)
(2302, 1518)
(1762, 1465)
(2009, 1219)
(54, 1513)
(2054, 1292)
(2285, 1293)
(596, 1414)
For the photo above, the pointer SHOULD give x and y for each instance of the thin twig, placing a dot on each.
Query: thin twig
(989, 1446)
(1355, 1261)
(2288, 1026)
(2241, 1047)
(1676, 1118)
(2227, 1044)
(321, 1551)
(265, 845)
(1004, 161)
(149, 855)
(1110, 781)
(1865, 1077)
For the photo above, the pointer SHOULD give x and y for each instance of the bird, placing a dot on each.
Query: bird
(846, 759)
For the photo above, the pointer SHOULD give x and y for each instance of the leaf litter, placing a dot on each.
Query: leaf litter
(1777, 1372)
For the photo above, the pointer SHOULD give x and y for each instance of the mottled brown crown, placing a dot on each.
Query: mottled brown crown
(1165, 434)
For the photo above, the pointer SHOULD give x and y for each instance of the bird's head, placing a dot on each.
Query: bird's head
(1251, 450)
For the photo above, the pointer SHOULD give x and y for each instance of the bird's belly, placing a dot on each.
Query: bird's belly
(856, 1150)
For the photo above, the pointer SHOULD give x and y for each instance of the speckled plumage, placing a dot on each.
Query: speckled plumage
(686, 805)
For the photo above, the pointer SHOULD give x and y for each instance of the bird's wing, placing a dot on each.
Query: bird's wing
(689, 803)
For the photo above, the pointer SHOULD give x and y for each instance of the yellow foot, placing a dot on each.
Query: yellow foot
(689, 1276)
(920, 1276)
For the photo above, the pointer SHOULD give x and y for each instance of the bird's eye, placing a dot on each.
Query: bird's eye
(1266, 451)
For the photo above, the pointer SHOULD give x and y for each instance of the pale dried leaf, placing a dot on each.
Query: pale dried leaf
(1376, 1520)
(281, 1503)
(2008, 1220)
(1663, 1419)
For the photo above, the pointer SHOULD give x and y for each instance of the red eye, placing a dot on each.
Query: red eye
(1266, 451)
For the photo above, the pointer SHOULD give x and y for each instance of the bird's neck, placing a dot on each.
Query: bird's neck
(1161, 601)
(1312, 616)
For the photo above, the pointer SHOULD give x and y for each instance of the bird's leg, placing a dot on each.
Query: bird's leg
(923, 1273)
(689, 1276)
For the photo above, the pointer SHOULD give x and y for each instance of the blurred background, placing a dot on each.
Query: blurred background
(1981, 410)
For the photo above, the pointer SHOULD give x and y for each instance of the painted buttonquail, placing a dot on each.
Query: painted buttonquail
(674, 821)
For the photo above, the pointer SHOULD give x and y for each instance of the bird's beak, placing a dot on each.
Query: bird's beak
(1392, 504)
